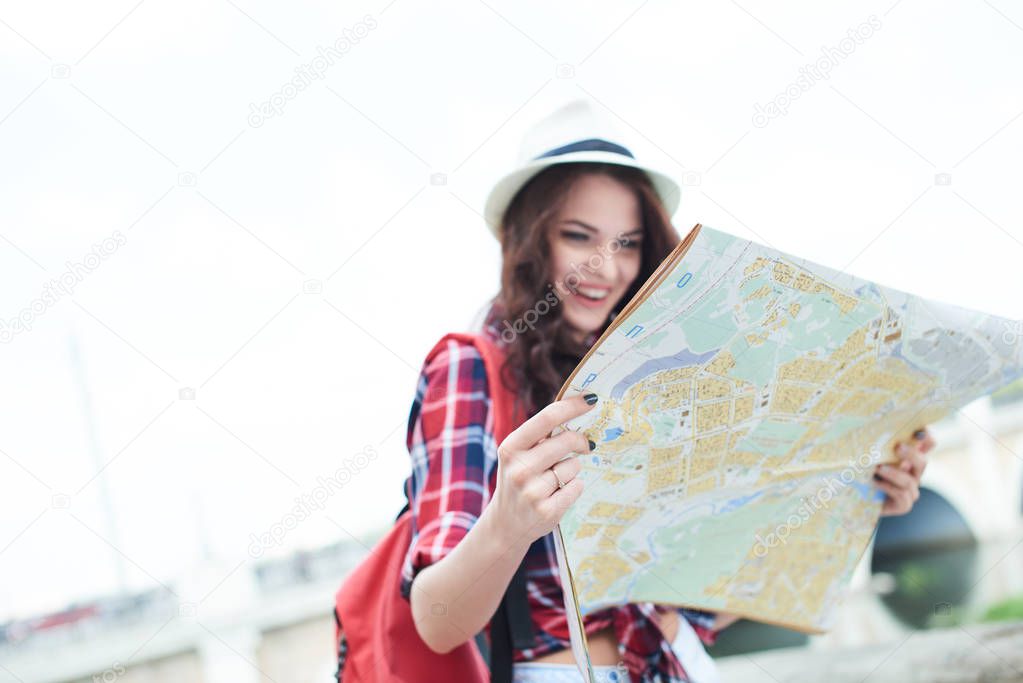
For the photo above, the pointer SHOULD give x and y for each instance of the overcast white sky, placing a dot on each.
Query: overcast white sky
(131, 121)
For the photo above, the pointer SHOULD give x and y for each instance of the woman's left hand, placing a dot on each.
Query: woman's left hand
(901, 482)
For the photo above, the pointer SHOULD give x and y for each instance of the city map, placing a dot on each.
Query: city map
(745, 397)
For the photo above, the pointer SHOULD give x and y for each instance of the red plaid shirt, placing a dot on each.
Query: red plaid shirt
(450, 439)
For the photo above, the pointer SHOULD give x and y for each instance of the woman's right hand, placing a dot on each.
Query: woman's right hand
(456, 596)
(528, 501)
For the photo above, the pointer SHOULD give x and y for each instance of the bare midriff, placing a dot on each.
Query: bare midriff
(604, 645)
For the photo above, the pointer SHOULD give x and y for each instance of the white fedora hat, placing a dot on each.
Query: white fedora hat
(574, 133)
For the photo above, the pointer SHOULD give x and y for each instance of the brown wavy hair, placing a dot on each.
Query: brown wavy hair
(540, 356)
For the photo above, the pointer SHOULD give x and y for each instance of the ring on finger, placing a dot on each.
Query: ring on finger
(561, 484)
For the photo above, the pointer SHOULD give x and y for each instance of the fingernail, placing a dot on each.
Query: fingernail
(590, 398)
(920, 434)
(592, 444)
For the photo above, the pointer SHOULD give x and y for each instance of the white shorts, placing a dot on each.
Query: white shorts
(687, 645)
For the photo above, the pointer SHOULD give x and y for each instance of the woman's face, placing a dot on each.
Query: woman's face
(595, 250)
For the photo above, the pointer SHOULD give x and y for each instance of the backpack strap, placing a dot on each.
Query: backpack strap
(511, 627)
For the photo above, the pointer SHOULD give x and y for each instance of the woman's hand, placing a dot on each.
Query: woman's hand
(901, 482)
(456, 596)
(536, 478)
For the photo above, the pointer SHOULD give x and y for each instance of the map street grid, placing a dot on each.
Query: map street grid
(745, 397)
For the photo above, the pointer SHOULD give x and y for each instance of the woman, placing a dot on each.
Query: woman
(578, 194)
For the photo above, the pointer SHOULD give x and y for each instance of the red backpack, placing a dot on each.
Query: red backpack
(382, 643)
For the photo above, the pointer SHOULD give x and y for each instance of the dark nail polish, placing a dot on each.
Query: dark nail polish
(592, 444)
(919, 434)
(590, 398)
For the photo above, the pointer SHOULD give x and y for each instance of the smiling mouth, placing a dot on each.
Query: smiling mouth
(591, 297)
(593, 293)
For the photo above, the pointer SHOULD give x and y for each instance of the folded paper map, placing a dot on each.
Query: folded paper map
(746, 396)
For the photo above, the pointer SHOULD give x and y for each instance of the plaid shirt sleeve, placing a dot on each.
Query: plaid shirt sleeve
(702, 623)
(450, 440)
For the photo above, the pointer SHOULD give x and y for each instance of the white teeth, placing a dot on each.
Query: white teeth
(593, 293)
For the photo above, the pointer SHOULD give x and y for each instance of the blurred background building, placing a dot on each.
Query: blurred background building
(957, 558)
